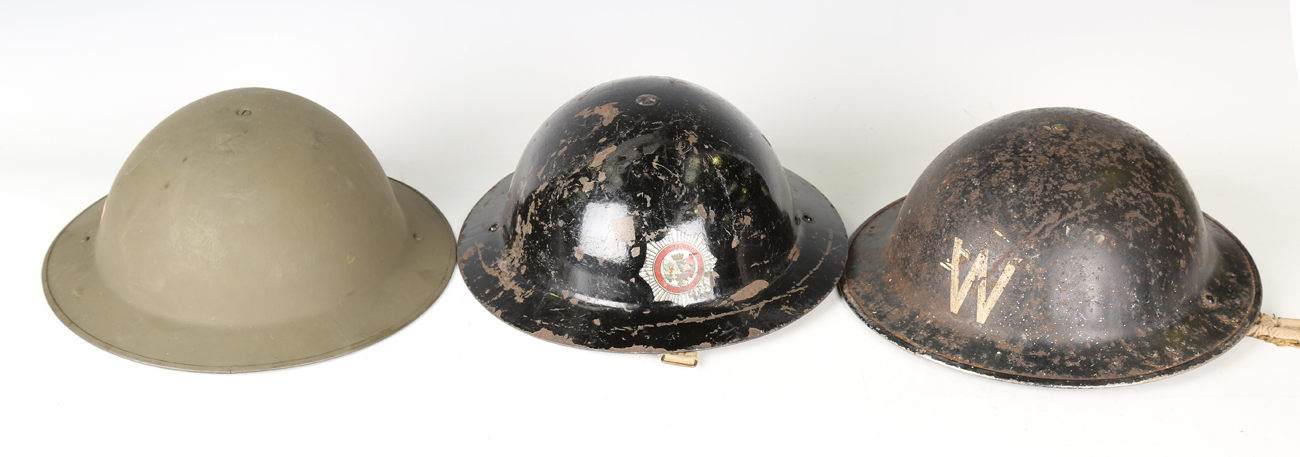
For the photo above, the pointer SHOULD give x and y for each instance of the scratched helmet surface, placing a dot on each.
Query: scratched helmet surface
(250, 230)
(1057, 247)
(649, 215)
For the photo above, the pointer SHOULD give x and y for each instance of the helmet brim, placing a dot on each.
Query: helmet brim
(866, 275)
(80, 298)
(526, 301)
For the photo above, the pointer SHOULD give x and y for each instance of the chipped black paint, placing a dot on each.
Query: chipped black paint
(605, 176)
(1118, 279)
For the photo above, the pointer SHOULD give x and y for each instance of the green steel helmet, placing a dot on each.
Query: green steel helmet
(250, 230)
(1056, 247)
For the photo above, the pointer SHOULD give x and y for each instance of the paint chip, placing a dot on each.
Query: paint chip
(749, 291)
(600, 156)
(607, 112)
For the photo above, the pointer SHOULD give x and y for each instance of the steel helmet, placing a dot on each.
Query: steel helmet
(1056, 247)
(250, 230)
(649, 215)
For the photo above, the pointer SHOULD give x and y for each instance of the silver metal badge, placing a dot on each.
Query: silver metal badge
(679, 268)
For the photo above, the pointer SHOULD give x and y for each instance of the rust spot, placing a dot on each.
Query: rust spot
(468, 253)
(755, 333)
(1178, 206)
(577, 252)
(1137, 215)
(749, 291)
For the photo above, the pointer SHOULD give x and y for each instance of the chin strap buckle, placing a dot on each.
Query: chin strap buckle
(687, 359)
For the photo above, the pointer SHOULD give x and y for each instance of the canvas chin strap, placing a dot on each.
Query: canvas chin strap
(1277, 330)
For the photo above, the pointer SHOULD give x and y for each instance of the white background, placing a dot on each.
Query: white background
(857, 98)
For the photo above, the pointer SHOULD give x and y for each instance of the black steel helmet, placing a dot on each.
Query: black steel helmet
(649, 215)
(1056, 247)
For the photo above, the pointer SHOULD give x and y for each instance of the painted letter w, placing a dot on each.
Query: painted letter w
(984, 298)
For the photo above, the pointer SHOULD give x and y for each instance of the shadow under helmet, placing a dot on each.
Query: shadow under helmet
(250, 230)
(1056, 247)
(649, 215)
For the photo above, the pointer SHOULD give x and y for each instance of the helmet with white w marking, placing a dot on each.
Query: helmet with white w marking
(1057, 247)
